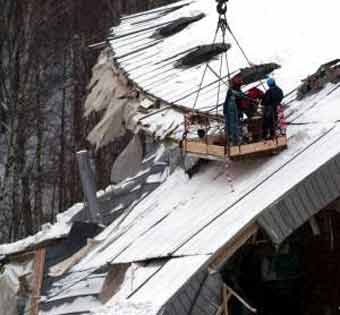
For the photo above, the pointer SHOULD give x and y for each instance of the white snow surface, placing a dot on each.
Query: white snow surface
(49, 232)
(194, 218)
(79, 305)
(172, 219)
(165, 278)
(298, 35)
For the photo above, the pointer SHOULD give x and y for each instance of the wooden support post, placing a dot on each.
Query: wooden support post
(229, 249)
(226, 297)
(314, 226)
(220, 310)
(89, 186)
(240, 299)
(37, 279)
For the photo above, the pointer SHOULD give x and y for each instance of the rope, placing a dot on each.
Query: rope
(241, 49)
(238, 44)
(223, 25)
(219, 84)
(204, 73)
(227, 63)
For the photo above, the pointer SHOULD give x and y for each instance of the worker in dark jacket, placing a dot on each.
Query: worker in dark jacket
(231, 111)
(271, 100)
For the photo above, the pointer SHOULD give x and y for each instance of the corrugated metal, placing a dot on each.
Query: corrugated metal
(201, 295)
(296, 207)
(178, 275)
(199, 216)
(60, 296)
(150, 63)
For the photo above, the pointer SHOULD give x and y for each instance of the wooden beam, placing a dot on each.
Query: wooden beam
(113, 281)
(229, 249)
(207, 149)
(37, 279)
(65, 265)
(241, 300)
(220, 310)
(263, 146)
(89, 186)
(314, 226)
(226, 297)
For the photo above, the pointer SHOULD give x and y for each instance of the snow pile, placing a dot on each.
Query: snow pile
(49, 232)
(79, 305)
(127, 308)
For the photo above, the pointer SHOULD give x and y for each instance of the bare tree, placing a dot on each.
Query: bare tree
(45, 66)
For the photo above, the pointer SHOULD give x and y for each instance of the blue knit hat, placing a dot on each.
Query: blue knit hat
(271, 82)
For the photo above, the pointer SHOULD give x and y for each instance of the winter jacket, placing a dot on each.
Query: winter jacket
(273, 97)
(233, 99)
(252, 95)
(231, 115)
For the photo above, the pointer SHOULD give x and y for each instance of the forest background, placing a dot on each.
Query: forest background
(45, 68)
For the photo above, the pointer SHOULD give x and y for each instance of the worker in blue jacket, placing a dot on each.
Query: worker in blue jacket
(271, 100)
(231, 111)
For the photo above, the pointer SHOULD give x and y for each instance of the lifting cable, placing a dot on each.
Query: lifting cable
(204, 73)
(222, 25)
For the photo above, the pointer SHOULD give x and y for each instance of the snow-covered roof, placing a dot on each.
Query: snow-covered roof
(49, 232)
(295, 35)
(195, 218)
(173, 232)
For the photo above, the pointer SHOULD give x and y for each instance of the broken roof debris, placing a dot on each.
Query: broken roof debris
(176, 26)
(201, 54)
(255, 73)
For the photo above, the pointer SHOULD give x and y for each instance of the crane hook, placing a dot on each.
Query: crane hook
(222, 7)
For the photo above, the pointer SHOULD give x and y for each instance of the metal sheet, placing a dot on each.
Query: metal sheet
(324, 180)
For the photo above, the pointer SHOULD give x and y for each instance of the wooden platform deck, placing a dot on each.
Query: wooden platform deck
(219, 152)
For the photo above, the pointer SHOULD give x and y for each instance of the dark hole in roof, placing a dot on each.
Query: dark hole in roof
(201, 54)
(176, 26)
(256, 72)
(76, 239)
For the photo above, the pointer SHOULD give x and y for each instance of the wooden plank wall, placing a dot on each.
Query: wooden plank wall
(37, 279)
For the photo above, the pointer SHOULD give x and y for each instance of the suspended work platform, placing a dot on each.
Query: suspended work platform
(205, 138)
(206, 134)
(212, 151)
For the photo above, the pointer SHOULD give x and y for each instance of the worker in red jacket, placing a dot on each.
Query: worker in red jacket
(249, 104)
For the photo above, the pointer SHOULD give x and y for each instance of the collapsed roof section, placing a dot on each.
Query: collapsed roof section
(163, 241)
(327, 73)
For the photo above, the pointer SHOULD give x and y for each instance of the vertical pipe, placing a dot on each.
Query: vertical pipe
(89, 186)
